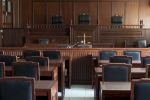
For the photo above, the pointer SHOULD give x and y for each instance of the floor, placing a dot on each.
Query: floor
(79, 92)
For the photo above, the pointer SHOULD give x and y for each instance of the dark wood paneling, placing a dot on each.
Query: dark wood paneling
(39, 13)
(104, 15)
(25, 12)
(132, 13)
(1, 13)
(67, 12)
(13, 38)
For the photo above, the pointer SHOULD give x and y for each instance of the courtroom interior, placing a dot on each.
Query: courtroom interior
(74, 49)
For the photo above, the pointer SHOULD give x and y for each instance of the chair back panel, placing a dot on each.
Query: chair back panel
(145, 61)
(104, 55)
(140, 90)
(29, 53)
(16, 89)
(8, 59)
(52, 55)
(28, 69)
(142, 44)
(136, 55)
(116, 72)
(121, 59)
(43, 61)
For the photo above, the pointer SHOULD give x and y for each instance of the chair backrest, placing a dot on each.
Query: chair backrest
(29, 53)
(104, 55)
(28, 69)
(116, 72)
(2, 69)
(142, 44)
(140, 89)
(8, 59)
(57, 19)
(44, 41)
(136, 55)
(17, 89)
(43, 61)
(147, 71)
(145, 61)
(121, 59)
(52, 55)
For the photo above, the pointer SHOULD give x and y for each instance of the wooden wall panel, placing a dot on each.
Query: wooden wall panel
(144, 12)
(53, 8)
(67, 12)
(104, 15)
(132, 13)
(39, 13)
(1, 13)
(93, 12)
(25, 12)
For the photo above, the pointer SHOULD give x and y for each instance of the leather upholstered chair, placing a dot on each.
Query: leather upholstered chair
(17, 89)
(121, 59)
(142, 44)
(2, 69)
(116, 72)
(43, 61)
(145, 61)
(140, 89)
(104, 55)
(29, 53)
(8, 59)
(52, 55)
(136, 55)
(27, 68)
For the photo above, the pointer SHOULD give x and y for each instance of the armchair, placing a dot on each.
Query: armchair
(116, 72)
(28, 69)
(28, 53)
(140, 89)
(17, 89)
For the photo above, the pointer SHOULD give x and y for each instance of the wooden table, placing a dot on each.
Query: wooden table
(115, 90)
(47, 88)
(135, 63)
(136, 73)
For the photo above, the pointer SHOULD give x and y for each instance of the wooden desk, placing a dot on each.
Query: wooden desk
(61, 74)
(135, 63)
(47, 88)
(115, 90)
(136, 73)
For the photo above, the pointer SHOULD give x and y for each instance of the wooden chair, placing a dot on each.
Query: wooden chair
(104, 55)
(43, 61)
(52, 55)
(120, 59)
(8, 59)
(145, 61)
(29, 53)
(27, 68)
(136, 55)
(17, 88)
(116, 72)
(140, 89)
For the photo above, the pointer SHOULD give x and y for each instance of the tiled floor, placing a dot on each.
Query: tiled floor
(79, 92)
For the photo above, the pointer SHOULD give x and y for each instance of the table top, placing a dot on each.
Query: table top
(98, 70)
(44, 84)
(115, 86)
(107, 61)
